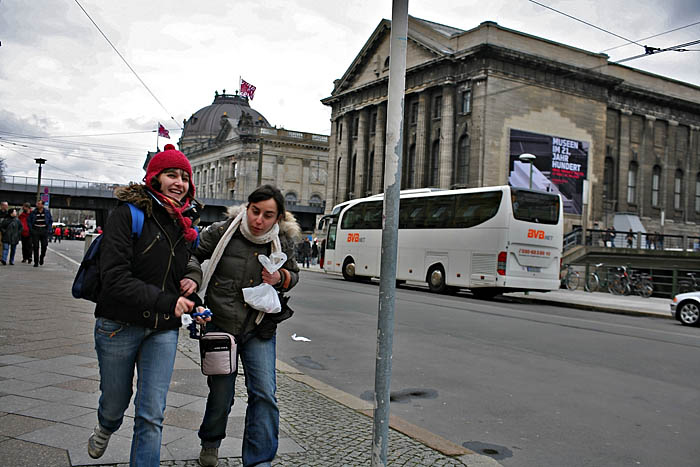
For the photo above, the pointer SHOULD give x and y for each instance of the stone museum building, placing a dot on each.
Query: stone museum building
(224, 142)
(476, 99)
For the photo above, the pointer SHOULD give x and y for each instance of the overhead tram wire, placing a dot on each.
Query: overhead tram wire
(127, 64)
(49, 139)
(654, 50)
(47, 145)
(586, 23)
(40, 151)
(651, 37)
(572, 73)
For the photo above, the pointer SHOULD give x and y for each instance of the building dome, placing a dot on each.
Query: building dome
(205, 124)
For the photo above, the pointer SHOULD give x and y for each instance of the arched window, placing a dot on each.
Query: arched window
(434, 164)
(632, 183)
(462, 176)
(677, 190)
(411, 167)
(290, 199)
(315, 201)
(697, 193)
(655, 185)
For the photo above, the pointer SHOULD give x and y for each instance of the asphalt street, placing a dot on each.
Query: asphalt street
(533, 385)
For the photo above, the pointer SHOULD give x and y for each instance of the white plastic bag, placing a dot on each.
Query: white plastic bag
(264, 297)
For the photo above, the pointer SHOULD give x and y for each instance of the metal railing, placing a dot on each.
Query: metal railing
(64, 187)
(639, 240)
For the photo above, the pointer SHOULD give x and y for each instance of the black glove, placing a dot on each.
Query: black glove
(268, 326)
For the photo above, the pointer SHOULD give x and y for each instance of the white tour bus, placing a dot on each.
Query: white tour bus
(490, 240)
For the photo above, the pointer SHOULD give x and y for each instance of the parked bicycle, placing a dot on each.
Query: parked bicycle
(571, 279)
(627, 282)
(689, 285)
(598, 281)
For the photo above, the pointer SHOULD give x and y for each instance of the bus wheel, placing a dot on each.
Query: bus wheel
(436, 279)
(349, 270)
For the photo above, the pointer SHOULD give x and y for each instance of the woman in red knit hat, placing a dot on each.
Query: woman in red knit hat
(140, 303)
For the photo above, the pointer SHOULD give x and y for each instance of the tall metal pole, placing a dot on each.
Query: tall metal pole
(392, 187)
(39, 161)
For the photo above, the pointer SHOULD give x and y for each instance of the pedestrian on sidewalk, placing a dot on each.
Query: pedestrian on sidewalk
(57, 233)
(26, 234)
(11, 233)
(630, 238)
(305, 252)
(40, 222)
(140, 303)
(314, 252)
(259, 228)
(4, 214)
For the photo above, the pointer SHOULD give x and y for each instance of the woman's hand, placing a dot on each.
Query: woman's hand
(183, 305)
(272, 279)
(199, 319)
(187, 287)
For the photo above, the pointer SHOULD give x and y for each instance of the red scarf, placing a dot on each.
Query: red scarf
(175, 210)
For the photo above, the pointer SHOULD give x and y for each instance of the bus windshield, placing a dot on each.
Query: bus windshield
(540, 208)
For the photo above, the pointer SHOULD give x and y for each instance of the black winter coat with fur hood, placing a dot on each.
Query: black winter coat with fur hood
(141, 277)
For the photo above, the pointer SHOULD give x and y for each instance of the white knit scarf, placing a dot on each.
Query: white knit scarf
(271, 235)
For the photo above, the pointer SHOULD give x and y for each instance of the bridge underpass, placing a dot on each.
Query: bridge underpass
(99, 198)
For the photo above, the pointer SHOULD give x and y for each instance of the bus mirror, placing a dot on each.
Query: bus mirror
(323, 220)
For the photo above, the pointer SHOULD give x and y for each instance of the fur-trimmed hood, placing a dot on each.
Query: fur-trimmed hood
(288, 226)
(135, 194)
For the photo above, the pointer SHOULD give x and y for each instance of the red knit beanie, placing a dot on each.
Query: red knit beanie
(169, 158)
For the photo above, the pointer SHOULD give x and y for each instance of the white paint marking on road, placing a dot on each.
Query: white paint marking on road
(64, 256)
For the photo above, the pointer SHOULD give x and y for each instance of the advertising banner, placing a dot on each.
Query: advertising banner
(560, 166)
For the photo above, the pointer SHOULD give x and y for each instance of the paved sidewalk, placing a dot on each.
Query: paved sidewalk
(49, 385)
(600, 301)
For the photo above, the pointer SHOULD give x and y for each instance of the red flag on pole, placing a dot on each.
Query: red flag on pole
(247, 89)
(162, 131)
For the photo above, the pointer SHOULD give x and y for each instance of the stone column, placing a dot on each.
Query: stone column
(379, 142)
(693, 169)
(331, 166)
(341, 161)
(361, 142)
(447, 136)
(623, 160)
(422, 145)
(670, 166)
(646, 155)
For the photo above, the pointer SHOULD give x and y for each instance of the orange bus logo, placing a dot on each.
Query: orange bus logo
(353, 238)
(532, 233)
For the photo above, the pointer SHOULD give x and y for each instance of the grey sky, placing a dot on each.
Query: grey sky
(59, 77)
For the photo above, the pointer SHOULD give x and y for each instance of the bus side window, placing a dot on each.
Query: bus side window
(415, 213)
(440, 212)
(372, 215)
(352, 219)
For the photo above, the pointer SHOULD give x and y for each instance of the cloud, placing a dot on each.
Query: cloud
(34, 125)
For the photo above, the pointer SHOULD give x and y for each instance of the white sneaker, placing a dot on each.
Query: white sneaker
(97, 444)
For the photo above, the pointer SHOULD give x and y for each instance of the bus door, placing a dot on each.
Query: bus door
(329, 226)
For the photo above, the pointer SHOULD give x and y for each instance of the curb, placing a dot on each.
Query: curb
(415, 432)
(588, 307)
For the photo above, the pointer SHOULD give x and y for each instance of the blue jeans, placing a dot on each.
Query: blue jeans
(260, 437)
(120, 348)
(11, 249)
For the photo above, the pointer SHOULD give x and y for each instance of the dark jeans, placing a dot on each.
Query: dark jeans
(27, 249)
(260, 435)
(39, 237)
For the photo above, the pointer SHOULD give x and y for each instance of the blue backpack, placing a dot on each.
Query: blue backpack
(87, 283)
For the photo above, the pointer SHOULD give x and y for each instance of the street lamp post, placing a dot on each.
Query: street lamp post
(529, 159)
(39, 161)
